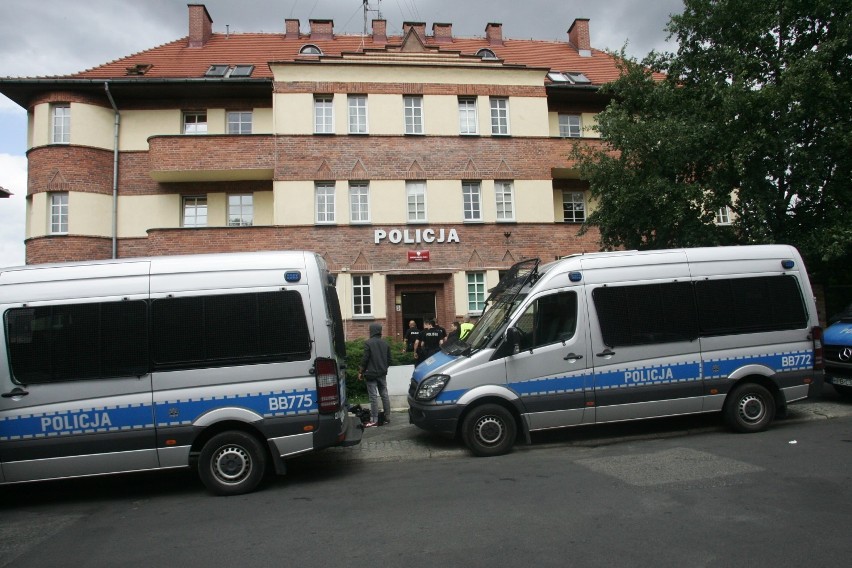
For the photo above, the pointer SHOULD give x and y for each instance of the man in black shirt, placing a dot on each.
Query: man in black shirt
(431, 339)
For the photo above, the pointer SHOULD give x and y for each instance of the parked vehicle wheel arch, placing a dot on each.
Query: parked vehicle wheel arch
(489, 429)
(749, 407)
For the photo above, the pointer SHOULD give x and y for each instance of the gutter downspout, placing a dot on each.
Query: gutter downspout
(114, 174)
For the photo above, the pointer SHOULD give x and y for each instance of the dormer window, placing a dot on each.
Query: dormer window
(310, 49)
(242, 71)
(217, 71)
(568, 77)
(486, 54)
(138, 69)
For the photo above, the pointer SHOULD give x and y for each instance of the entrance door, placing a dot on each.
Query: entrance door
(418, 306)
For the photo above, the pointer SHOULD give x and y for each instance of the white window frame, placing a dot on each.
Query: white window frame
(499, 116)
(194, 211)
(323, 114)
(362, 295)
(475, 292)
(570, 125)
(239, 122)
(240, 209)
(413, 114)
(357, 114)
(504, 197)
(468, 121)
(59, 213)
(195, 122)
(723, 216)
(60, 132)
(472, 201)
(324, 196)
(359, 202)
(415, 193)
(576, 197)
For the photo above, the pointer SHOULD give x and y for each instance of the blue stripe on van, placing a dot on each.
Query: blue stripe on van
(779, 362)
(75, 422)
(552, 385)
(648, 375)
(267, 404)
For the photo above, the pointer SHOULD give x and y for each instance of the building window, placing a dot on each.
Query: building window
(573, 207)
(475, 291)
(357, 114)
(569, 125)
(499, 116)
(359, 202)
(325, 202)
(310, 49)
(61, 127)
(195, 123)
(467, 115)
(58, 213)
(413, 115)
(241, 210)
(239, 122)
(472, 198)
(416, 194)
(362, 302)
(195, 211)
(323, 115)
(723, 216)
(505, 200)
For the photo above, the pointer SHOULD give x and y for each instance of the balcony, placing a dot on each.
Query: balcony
(211, 157)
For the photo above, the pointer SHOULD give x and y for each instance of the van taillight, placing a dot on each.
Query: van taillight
(816, 333)
(328, 392)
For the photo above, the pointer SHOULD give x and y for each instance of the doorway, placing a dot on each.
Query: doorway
(418, 306)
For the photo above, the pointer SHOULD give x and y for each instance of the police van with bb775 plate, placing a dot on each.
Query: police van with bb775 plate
(610, 337)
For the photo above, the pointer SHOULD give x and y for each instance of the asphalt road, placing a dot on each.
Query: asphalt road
(662, 493)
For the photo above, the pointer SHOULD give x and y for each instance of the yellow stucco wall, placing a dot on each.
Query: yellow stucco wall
(138, 213)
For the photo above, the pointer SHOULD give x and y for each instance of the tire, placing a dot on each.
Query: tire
(232, 463)
(844, 391)
(749, 408)
(489, 430)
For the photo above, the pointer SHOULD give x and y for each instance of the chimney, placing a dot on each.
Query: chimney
(322, 29)
(419, 29)
(578, 36)
(291, 28)
(200, 25)
(380, 31)
(443, 33)
(494, 34)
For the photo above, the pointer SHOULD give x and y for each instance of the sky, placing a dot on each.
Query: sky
(58, 37)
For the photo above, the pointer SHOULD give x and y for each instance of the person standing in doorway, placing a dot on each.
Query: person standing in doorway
(374, 370)
(454, 334)
(430, 340)
(410, 336)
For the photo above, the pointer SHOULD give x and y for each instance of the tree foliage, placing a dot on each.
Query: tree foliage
(753, 112)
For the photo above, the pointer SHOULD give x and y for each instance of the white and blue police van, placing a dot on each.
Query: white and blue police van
(225, 363)
(615, 336)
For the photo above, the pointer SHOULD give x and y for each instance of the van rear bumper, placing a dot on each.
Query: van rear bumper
(441, 420)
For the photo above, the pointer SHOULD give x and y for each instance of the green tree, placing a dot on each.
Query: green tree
(753, 112)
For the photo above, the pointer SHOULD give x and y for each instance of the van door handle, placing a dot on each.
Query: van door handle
(606, 353)
(17, 391)
(572, 356)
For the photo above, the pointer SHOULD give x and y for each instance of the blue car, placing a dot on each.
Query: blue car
(837, 342)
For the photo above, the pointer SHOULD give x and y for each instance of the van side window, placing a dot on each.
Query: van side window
(549, 319)
(646, 313)
(204, 331)
(748, 305)
(73, 342)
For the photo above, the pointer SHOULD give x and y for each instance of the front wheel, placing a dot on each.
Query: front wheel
(843, 391)
(749, 408)
(232, 463)
(489, 430)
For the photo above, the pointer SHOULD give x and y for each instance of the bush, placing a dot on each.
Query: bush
(356, 390)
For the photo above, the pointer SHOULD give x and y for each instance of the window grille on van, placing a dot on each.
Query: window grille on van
(201, 331)
(513, 281)
(77, 341)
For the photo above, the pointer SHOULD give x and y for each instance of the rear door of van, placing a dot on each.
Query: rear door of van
(644, 342)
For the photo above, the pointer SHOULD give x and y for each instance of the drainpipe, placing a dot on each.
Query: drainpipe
(114, 174)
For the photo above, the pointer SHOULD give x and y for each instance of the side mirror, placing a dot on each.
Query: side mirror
(513, 338)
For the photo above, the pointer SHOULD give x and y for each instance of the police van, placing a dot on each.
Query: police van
(616, 336)
(225, 363)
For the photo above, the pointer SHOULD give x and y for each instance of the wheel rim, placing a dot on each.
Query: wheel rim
(489, 430)
(752, 408)
(231, 464)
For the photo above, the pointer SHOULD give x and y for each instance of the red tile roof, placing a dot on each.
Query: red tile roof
(175, 60)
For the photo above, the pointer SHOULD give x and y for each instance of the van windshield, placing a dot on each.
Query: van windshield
(503, 300)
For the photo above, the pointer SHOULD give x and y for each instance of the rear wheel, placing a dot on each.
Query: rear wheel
(489, 430)
(749, 408)
(843, 391)
(232, 463)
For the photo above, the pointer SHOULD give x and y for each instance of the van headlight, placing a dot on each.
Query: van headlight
(431, 387)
